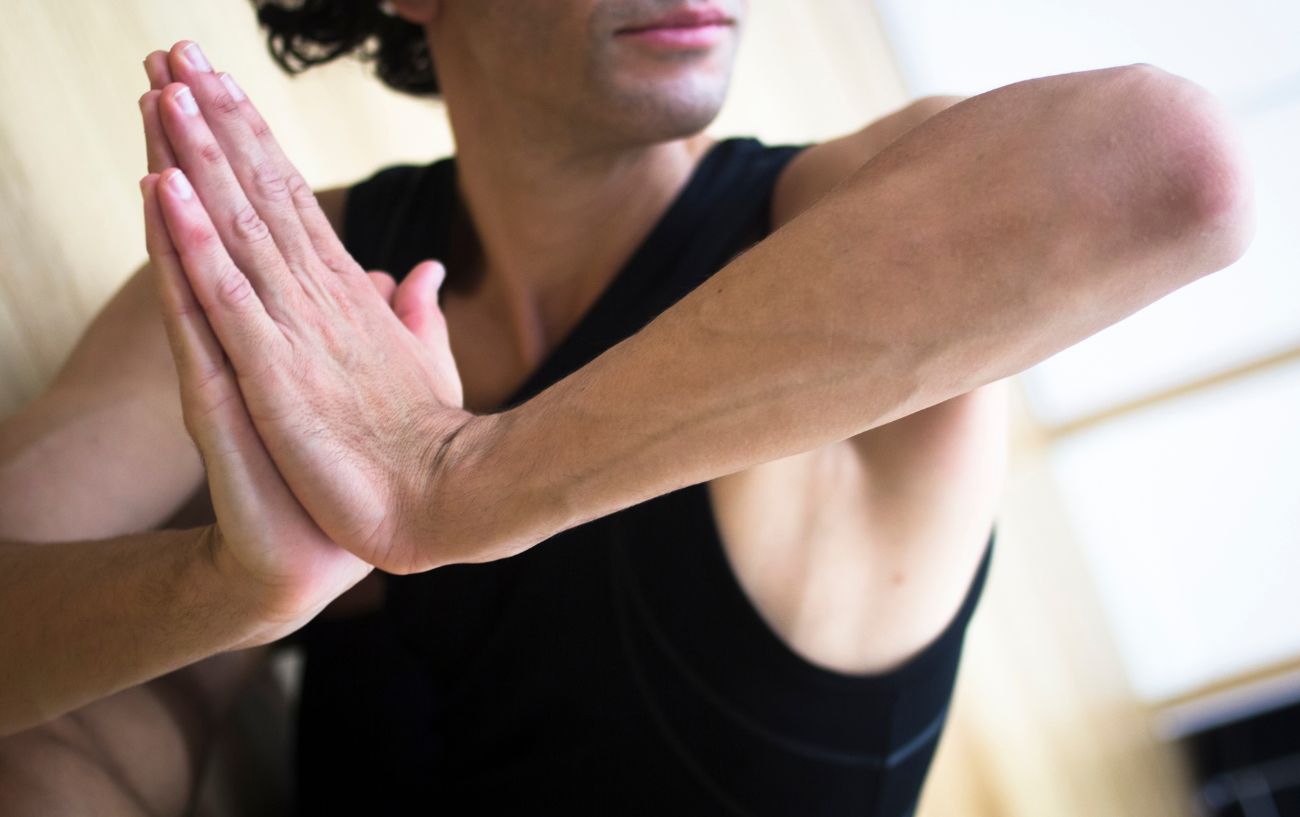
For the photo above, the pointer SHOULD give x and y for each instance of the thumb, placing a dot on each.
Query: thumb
(416, 303)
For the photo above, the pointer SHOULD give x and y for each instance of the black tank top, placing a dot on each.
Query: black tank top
(618, 668)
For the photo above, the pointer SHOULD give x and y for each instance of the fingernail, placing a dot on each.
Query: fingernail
(194, 56)
(236, 93)
(441, 276)
(186, 100)
(181, 185)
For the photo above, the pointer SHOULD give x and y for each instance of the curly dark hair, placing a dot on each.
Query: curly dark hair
(303, 33)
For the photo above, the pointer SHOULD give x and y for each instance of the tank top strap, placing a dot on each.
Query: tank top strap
(724, 208)
(402, 214)
(399, 216)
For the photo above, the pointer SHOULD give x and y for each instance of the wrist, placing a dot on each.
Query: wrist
(257, 612)
(496, 498)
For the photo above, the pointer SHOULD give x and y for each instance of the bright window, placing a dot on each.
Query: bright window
(1188, 509)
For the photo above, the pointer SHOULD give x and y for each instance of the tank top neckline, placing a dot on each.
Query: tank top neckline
(630, 275)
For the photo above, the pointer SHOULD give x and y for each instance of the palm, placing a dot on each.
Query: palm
(353, 398)
(266, 538)
(355, 434)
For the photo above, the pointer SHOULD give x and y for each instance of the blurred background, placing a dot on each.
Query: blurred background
(1137, 650)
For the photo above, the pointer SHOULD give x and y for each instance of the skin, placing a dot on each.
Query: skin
(897, 401)
(280, 318)
(200, 599)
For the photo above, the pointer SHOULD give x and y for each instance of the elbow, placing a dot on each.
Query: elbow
(1199, 187)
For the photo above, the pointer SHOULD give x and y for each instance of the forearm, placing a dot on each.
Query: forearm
(82, 620)
(102, 451)
(63, 458)
(1001, 231)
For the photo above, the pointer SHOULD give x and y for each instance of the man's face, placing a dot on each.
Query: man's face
(628, 70)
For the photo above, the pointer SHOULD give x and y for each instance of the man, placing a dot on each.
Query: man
(837, 386)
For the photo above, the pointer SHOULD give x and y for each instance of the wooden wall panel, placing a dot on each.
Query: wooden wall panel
(72, 150)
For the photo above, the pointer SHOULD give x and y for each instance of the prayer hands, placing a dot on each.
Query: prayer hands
(325, 401)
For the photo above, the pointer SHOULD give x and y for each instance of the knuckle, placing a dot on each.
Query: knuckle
(332, 291)
(225, 104)
(269, 182)
(344, 265)
(302, 194)
(207, 381)
(259, 127)
(211, 153)
(234, 289)
(248, 226)
(188, 308)
(199, 236)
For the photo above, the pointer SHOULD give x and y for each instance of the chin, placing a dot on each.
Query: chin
(656, 109)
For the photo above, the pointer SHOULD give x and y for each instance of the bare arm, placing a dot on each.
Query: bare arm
(86, 622)
(86, 619)
(997, 233)
(101, 452)
(1000, 231)
(89, 604)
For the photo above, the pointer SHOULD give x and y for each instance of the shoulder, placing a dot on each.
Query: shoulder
(819, 168)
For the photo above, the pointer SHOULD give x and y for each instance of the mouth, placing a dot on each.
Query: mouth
(696, 27)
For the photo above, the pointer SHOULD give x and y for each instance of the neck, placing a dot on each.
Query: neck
(555, 218)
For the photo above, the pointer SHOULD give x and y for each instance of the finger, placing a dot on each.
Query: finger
(157, 148)
(416, 304)
(384, 284)
(271, 183)
(329, 247)
(239, 224)
(247, 334)
(216, 416)
(209, 393)
(198, 357)
(156, 68)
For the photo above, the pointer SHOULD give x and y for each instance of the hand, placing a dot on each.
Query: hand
(263, 540)
(357, 401)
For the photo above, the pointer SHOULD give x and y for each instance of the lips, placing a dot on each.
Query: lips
(682, 19)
